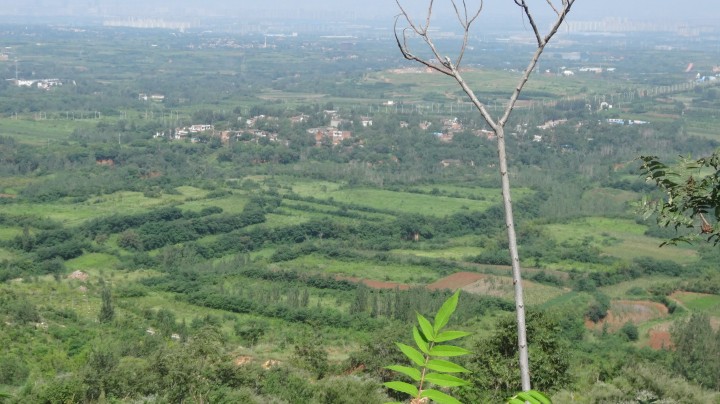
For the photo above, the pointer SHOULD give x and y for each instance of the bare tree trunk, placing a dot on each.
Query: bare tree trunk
(445, 65)
(515, 260)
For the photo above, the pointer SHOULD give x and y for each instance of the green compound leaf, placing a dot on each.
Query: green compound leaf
(531, 396)
(447, 350)
(540, 397)
(439, 397)
(402, 387)
(445, 366)
(446, 310)
(412, 354)
(444, 380)
(535, 395)
(420, 341)
(410, 372)
(450, 335)
(426, 327)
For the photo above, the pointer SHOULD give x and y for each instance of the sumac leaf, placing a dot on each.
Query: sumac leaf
(402, 387)
(412, 354)
(444, 380)
(446, 310)
(439, 397)
(448, 350)
(450, 335)
(420, 341)
(439, 365)
(408, 371)
(426, 327)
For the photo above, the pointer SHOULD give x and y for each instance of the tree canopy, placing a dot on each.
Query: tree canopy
(691, 199)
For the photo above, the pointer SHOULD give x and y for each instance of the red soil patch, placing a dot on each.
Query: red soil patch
(659, 339)
(635, 311)
(456, 281)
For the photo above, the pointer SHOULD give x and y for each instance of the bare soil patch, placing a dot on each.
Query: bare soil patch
(659, 339)
(456, 281)
(635, 311)
(490, 285)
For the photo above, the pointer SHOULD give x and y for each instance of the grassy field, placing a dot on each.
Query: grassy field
(93, 263)
(40, 132)
(6, 255)
(451, 253)
(391, 272)
(9, 233)
(620, 290)
(701, 302)
(127, 202)
(489, 83)
(230, 204)
(621, 238)
(403, 202)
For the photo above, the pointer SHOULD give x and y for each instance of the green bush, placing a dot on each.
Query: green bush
(630, 331)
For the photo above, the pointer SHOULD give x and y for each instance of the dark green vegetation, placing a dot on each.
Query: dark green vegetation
(692, 192)
(229, 271)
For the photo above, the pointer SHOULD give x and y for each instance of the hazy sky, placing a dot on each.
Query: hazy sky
(665, 10)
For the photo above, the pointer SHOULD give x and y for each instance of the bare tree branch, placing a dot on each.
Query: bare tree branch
(447, 67)
(567, 4)
(526, 10)
(465, 21)
(550, 3)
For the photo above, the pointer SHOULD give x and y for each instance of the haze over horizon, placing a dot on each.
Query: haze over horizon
(640, 10)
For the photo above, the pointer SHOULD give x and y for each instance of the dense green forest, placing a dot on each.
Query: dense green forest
(188, 217)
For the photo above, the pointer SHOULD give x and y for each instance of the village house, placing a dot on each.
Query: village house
(299, 119)
(551, 124)
(201, 128)
(181, 134)
(334, 135)
(335, 122)
(250, 122)
(452, 125)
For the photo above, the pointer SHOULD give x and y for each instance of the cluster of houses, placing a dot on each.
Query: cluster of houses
(194, 132)
(43, 84)
(618, 121)
(450, 126)
(596, 70)
(333, 133)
